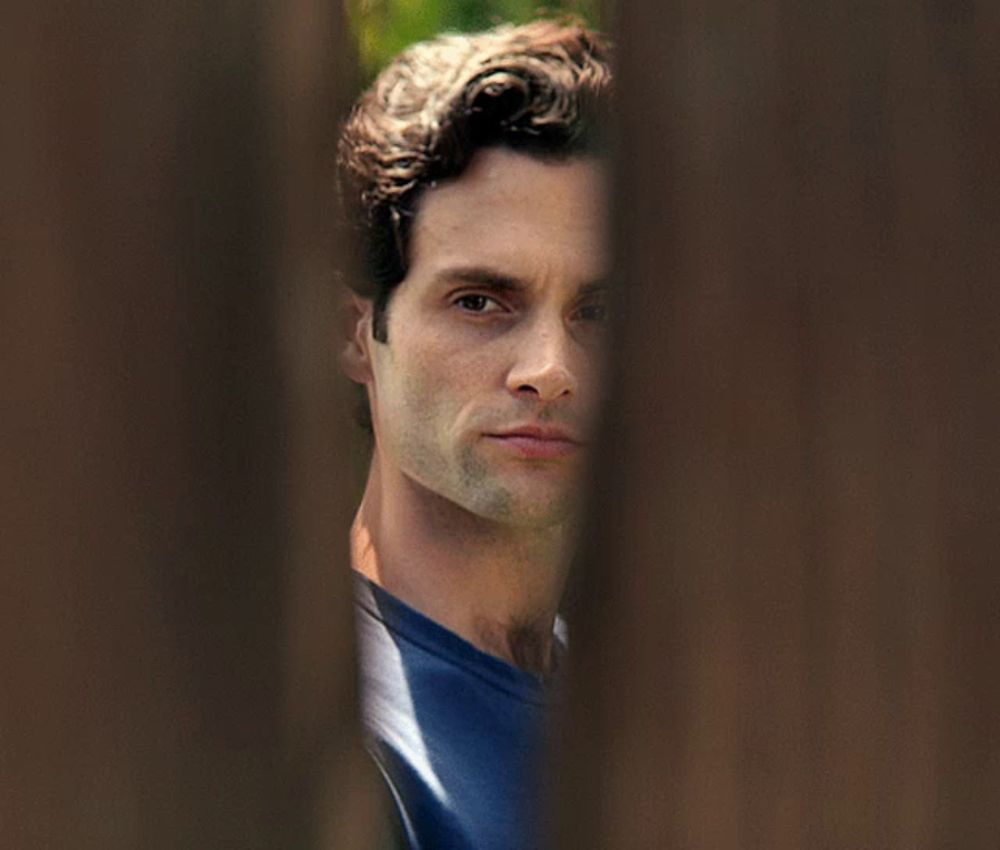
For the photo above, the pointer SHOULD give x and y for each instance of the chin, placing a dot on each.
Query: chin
(525, 510)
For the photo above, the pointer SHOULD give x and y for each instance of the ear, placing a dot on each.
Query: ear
(356, 336)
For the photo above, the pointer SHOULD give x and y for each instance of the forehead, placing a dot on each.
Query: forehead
(516, 212)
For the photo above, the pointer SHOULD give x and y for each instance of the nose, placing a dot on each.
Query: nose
(542, 366)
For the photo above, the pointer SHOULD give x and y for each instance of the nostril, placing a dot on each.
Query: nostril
(546, 379)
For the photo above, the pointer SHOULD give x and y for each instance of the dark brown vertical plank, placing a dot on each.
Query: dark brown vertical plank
(310, 78)
(175, 663)
(788, 627)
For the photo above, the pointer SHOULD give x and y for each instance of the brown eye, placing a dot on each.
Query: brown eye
(474, 303)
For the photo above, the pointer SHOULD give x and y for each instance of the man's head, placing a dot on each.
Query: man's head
(538, 88)
(473, 171)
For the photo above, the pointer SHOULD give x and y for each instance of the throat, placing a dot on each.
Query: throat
(495, 586)
(526, 645)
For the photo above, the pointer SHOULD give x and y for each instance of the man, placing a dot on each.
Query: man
(471, 165)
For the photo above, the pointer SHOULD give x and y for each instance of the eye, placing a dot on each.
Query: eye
(475, 303)
(595, 312)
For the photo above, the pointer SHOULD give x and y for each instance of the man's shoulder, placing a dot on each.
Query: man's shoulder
(456, 732)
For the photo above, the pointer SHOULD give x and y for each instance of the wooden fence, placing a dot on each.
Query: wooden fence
(789, 618)
(177, 668)
(785, 620)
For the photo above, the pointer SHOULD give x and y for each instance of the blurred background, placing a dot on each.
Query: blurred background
(382, 28)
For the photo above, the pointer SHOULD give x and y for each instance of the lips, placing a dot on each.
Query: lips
(537, 441)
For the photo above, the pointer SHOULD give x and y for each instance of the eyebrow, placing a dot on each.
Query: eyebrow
(484, 276)
(502, 282)
(595, 287)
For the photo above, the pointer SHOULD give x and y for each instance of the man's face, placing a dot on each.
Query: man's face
(486, 390)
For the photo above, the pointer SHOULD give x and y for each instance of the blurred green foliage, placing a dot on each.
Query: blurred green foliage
(384, 27)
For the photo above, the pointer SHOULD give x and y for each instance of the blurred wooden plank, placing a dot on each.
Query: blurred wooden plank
(788, 628)
(176, 665)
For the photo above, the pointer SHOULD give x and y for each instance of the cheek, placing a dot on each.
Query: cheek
(422, 394)
(439, 381)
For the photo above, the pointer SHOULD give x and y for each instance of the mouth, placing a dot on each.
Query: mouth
(537, 441)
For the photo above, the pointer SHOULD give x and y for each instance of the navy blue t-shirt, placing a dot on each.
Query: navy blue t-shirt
(456, 732)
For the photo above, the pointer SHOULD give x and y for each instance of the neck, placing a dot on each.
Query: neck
(494, 585)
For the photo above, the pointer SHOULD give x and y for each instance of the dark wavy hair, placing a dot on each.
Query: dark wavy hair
(540, 87)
